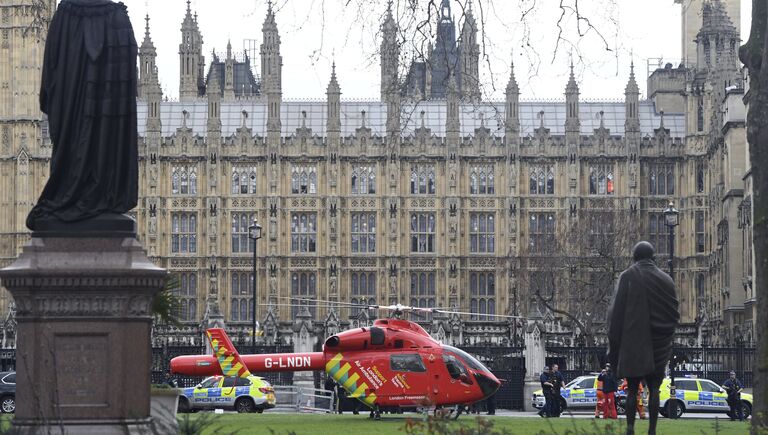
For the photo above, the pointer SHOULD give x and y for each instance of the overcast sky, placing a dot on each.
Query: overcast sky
(315, 31)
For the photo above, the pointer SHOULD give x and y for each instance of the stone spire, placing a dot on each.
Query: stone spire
(512, 117)
(452, 121)
(469, 58)
(192, 62)
(213, 92)
(271, 70)
(390, 55)
(333, 93)
(147, 59)
(572, 104)
(229, 74)
(631, 103)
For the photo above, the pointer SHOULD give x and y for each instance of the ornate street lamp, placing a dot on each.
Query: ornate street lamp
(254, 233)
(671, 215)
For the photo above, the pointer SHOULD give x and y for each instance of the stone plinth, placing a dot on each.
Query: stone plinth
(83, 307)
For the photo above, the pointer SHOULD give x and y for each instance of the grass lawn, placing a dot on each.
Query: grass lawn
(301, 424)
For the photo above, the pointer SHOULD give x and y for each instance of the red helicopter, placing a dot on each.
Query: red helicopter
(393, 364)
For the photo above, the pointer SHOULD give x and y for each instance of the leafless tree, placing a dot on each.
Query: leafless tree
(573, 273)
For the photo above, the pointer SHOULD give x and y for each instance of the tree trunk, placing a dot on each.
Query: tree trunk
(754, 55)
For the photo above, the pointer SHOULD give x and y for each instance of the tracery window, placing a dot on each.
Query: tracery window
(542, 180)
(422, 232)
(658, 233)
(541, 229)
(423, 290)
(481, 180)
(482, 287)
(303, 180)
(363, 232)
(303, 289)
(364, 180)
(422, 179)
(661, 179)
(183, 233)
(482, 233)
(243, 180)
(362, 290)
(184, 180)
(241, 296)
(240, 240)
(601, 179)
(187, 295)
(303, 232)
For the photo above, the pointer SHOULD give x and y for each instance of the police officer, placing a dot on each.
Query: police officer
(733, 387)
(558, 384)
(547, 386)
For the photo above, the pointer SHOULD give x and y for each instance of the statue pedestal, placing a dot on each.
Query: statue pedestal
(83, 307)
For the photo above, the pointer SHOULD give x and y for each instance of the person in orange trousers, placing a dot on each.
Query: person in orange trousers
(600, 399)
(640, 409)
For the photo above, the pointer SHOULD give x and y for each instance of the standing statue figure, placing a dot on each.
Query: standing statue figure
(88, 91)
(641, 326)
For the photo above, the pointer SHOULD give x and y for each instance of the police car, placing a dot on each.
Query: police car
(253, 394)
(579, 393)
(698, 395)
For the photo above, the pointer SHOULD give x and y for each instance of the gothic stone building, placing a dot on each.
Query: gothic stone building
(428, 196)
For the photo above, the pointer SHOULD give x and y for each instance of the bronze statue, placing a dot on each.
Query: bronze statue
(88, 91)
(641, 325)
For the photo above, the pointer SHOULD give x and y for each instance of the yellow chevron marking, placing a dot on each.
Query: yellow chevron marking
(351, 381)
(360, 390)
(334, 361)
(343, 371)
(370, 399)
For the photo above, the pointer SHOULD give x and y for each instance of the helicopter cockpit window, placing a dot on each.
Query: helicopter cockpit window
(471, 361)
(455, 367)
(406, 362)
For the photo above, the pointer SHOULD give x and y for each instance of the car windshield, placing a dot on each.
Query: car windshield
(210, 382)
(468, 359)
(572, 383)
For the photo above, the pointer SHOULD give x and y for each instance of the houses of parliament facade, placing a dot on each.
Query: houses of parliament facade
(428, 196)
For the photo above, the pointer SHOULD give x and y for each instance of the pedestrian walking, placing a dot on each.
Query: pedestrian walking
(546, 387)
(610, 386)
(733, 388)
(558, 384)
(641, 327)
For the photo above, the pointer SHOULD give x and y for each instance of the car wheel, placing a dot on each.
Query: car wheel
(679, 409)
(8, 404)
(746, 409)
(245, 405)
(184, 405)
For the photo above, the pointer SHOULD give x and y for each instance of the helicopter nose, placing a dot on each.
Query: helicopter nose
(488, 383)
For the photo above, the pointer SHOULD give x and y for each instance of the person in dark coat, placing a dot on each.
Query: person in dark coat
(641, 326)
(733, 388)
(546, 380)
(88, 91)
(557, 386)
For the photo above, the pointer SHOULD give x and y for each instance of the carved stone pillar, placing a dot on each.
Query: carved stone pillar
(83, 343)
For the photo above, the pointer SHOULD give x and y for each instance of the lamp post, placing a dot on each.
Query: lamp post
(254, 233)
(671, 216)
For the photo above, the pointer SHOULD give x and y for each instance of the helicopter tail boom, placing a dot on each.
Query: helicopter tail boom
(207, 365)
